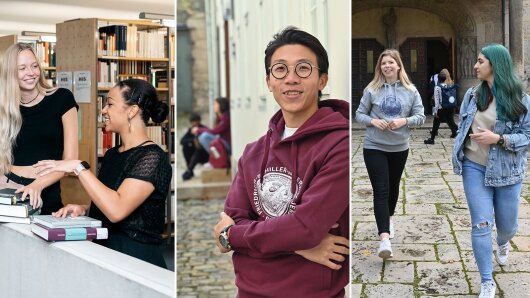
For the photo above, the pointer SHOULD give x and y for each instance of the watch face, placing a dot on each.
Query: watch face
(223, 241)
(85, 165)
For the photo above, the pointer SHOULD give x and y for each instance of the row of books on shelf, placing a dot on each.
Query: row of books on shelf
(46, 53)
(128, 41)
(110, 72)
(14, 209)
(107, 140)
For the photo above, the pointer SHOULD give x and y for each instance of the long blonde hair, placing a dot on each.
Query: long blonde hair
(448, 79)
(10, 117)
(379, 79)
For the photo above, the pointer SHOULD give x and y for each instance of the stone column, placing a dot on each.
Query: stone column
(516, 35)
(525, 41)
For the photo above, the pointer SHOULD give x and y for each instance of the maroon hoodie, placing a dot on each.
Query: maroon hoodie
(276, 215)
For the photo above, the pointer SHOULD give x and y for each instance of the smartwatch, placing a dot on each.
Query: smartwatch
(81, 167)
(223, 238)
(500, 142)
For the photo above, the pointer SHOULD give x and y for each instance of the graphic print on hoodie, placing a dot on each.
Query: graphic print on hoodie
(276, 215)
(273, 196)
(390, 106)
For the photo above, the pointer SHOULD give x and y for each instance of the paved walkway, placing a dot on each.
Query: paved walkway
(201, 270)
(432, 247)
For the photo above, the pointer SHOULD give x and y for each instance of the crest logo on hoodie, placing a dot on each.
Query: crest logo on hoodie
(273, 197)
(390, 106)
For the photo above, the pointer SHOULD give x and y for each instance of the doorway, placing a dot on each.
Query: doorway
(364, 59)
(423, 57)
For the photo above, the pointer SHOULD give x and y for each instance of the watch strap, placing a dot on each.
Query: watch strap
(501, 140)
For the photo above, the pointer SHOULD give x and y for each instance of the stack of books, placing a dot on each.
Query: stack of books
(13, 209)
(52, 228)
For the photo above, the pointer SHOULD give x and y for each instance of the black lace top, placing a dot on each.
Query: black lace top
(148, 163)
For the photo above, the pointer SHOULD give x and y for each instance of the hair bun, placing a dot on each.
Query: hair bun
(159, 112)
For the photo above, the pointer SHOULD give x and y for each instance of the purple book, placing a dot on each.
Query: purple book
(66, 234)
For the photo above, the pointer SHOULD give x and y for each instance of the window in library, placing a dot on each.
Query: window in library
(370, 61)
(413, 60)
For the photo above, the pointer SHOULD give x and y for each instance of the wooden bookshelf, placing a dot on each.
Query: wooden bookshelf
(79, 49)
(133, 58)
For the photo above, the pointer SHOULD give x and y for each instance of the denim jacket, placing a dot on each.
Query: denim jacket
(506, 165)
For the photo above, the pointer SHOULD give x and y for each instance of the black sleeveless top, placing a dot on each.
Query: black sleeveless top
(148, 163)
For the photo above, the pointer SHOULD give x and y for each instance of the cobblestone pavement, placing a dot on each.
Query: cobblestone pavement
(202, 271)
(432, 247)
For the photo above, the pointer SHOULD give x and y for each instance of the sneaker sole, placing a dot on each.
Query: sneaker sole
(385, 254)
(499, 261)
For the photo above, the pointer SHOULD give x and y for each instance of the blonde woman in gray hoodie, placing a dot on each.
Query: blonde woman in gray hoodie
(390, 106)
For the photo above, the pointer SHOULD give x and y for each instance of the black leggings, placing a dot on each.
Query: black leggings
(447, 116)
(385, 169)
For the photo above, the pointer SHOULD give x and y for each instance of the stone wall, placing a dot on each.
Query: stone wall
(525, 74)
(192, 14)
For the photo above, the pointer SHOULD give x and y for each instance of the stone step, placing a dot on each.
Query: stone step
(204, 191)
(216, 175)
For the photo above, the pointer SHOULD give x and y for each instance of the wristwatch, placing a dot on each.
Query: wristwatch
(223, 238)
(500, 142)
(81, 167)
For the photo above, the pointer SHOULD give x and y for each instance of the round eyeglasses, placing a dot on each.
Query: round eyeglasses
(281, 70)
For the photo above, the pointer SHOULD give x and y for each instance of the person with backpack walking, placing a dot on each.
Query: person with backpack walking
(390, 106)
(444, 105)
(490, 152)
(221, 131)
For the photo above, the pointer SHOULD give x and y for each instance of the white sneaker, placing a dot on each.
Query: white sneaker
(392, 232)
(501, 255)
(385, 249)
(487, 289)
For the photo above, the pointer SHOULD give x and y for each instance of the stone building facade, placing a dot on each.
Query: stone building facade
(436, 34)
(191, 14)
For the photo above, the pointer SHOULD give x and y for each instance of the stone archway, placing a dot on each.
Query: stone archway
(461, 17)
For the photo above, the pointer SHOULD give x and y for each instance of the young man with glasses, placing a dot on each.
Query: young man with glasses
(287, 217)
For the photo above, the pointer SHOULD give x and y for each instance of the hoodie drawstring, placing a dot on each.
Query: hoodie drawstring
(265, 157)
(294, 157)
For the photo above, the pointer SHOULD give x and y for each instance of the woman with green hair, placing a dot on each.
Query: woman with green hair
(490, 153)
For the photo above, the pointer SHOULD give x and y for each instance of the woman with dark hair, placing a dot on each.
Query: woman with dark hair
(221, 107)
(490, 152)
(130, 191)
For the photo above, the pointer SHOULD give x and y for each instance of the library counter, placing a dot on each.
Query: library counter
(32, 267)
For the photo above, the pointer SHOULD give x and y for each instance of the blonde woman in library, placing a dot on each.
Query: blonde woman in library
(129, 193)
(36, 122)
